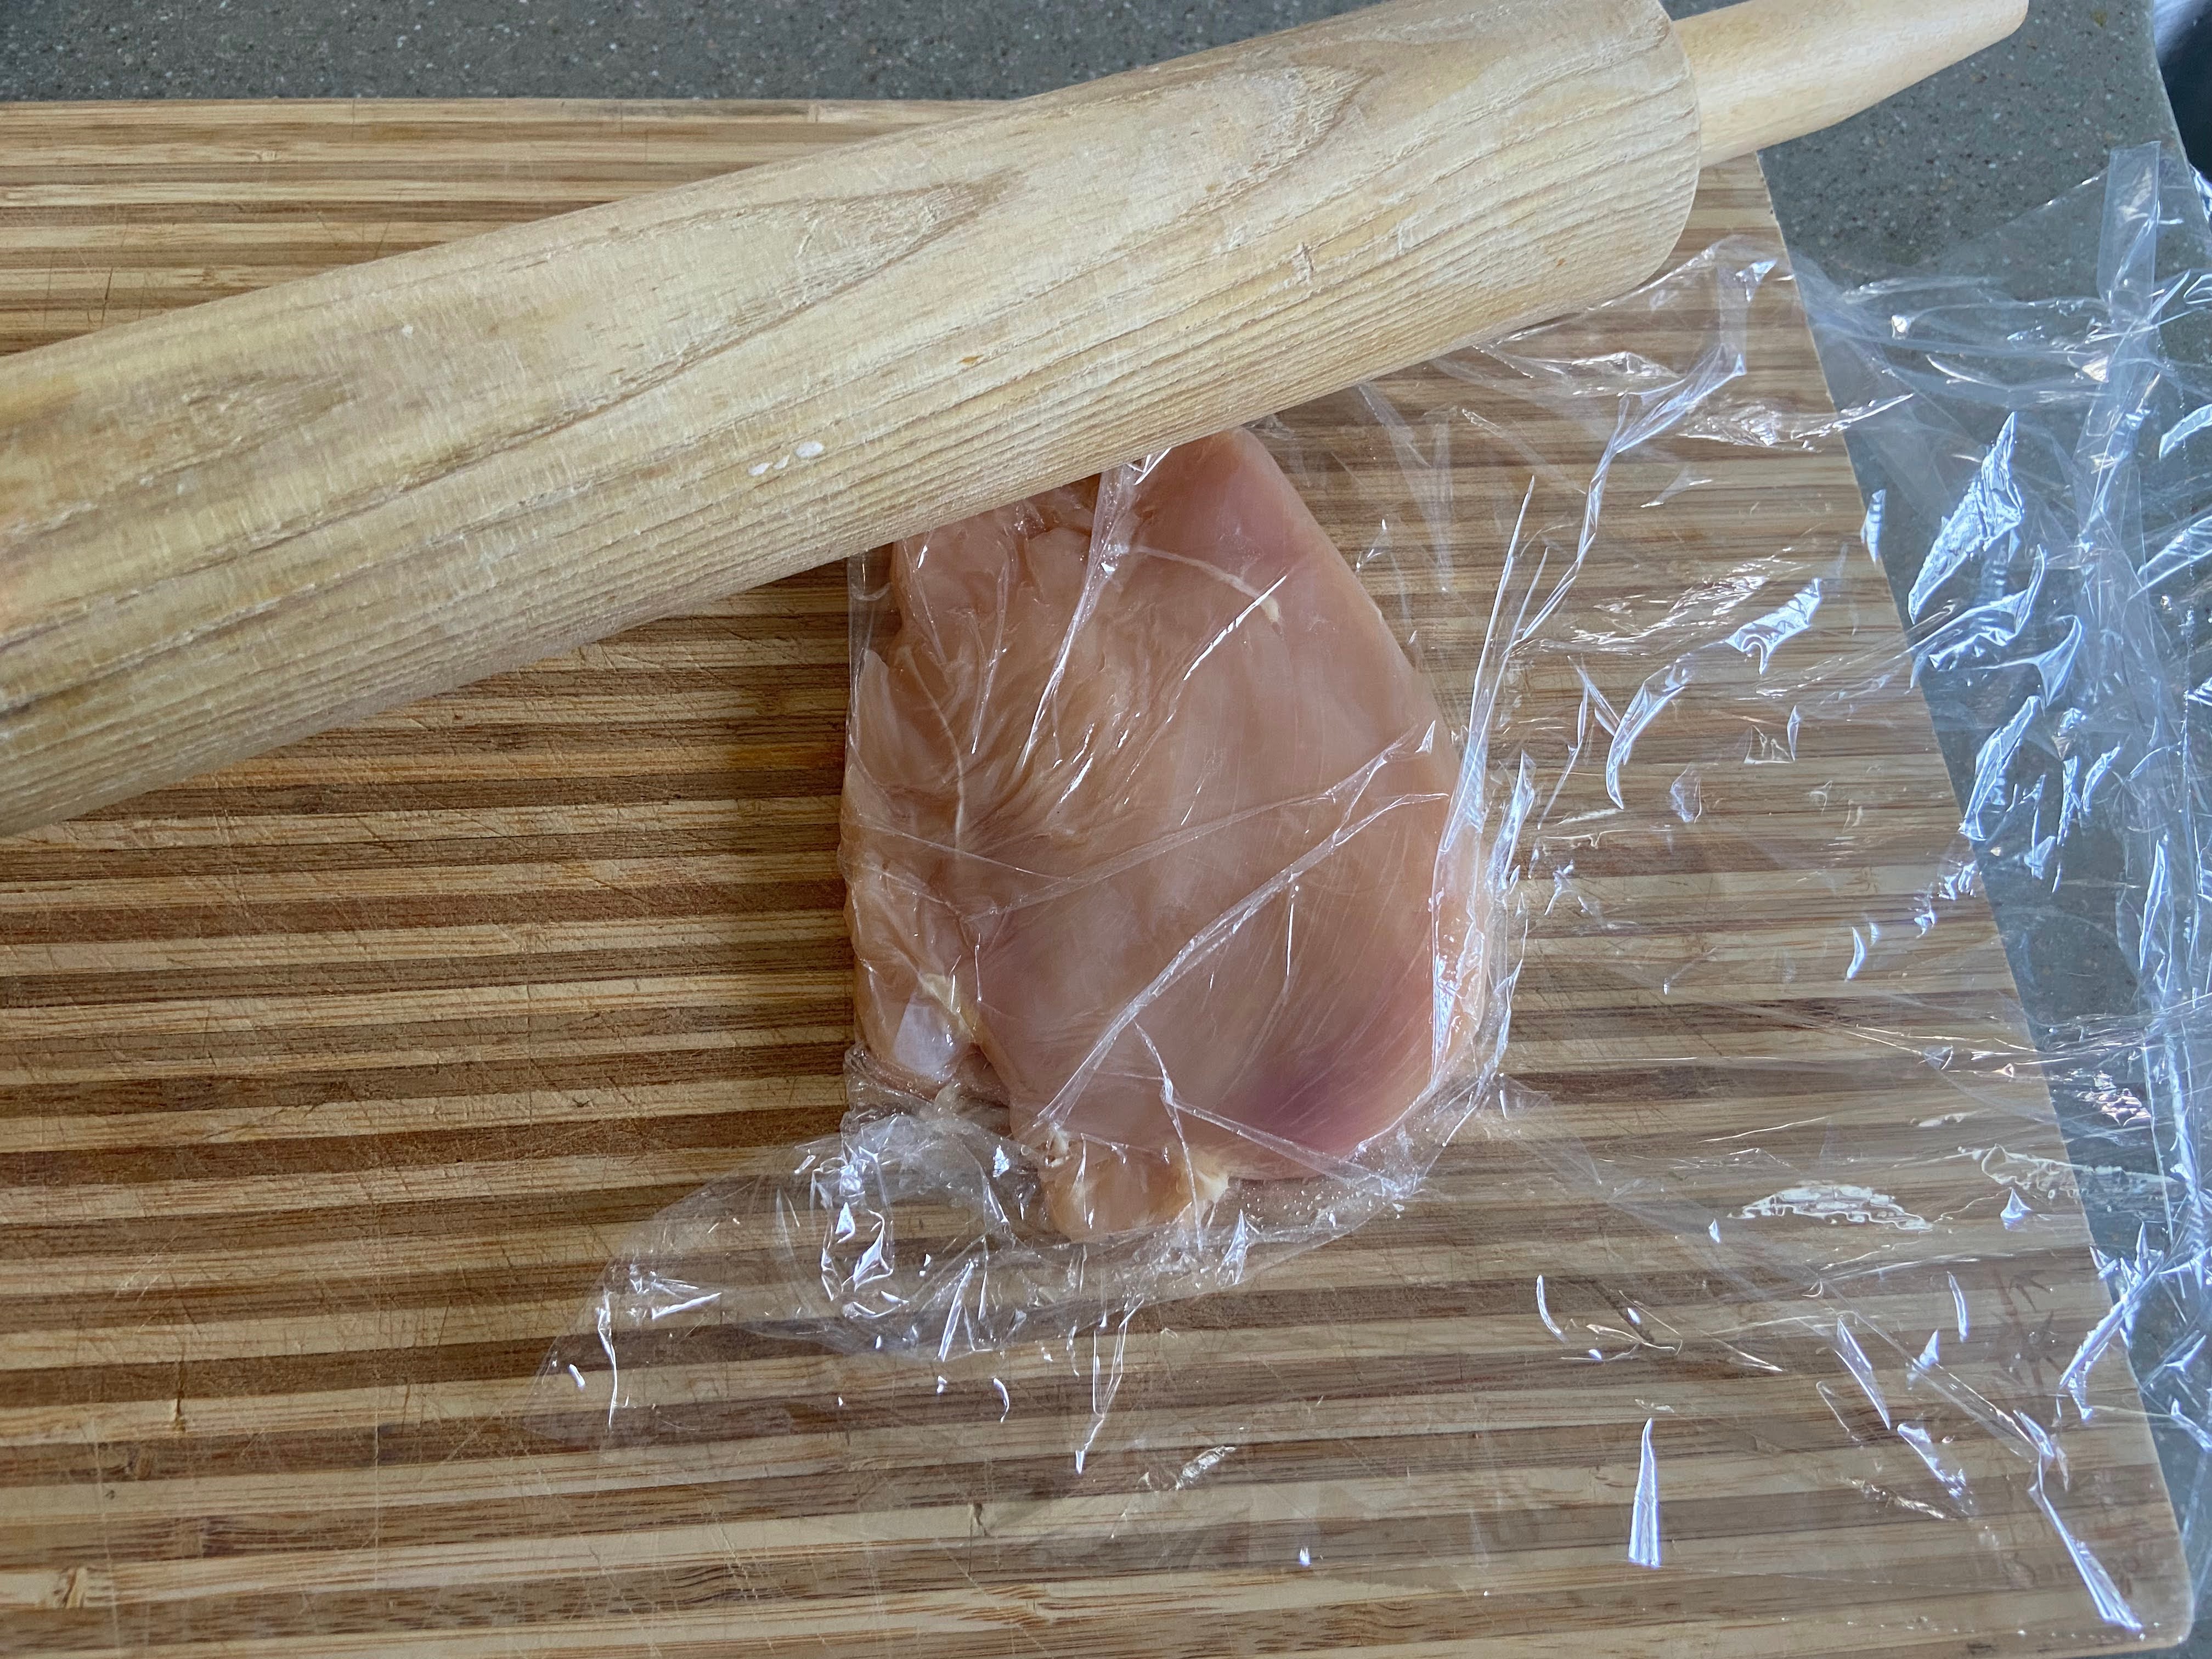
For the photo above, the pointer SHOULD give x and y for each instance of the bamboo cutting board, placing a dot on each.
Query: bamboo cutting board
(329, 1083)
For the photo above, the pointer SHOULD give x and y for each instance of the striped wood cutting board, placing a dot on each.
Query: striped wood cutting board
(327, 1085)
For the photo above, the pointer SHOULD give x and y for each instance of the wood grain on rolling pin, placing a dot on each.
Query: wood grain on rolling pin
(385, 482)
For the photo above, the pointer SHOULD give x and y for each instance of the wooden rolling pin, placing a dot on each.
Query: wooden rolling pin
(229, 527)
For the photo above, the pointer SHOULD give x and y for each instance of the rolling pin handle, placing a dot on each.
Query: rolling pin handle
(1771, 70)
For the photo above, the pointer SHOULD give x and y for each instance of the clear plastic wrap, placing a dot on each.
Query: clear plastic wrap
(1747, 1247)
(2039, 425)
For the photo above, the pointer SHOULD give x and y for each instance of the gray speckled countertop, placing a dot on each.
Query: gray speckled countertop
(1948, 160)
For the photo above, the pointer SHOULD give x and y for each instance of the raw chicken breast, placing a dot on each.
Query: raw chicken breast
(1143, 813)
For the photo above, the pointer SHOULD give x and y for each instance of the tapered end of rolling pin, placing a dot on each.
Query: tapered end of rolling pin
(1771, 70)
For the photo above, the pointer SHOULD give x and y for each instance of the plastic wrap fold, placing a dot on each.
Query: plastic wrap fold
(1722, 1129)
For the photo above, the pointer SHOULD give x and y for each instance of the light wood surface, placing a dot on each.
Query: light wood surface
(328, 1082)
(232, 528)
(235, 527)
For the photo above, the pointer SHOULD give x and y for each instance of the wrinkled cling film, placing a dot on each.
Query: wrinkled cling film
(2045, 517)
(1747, 1244)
